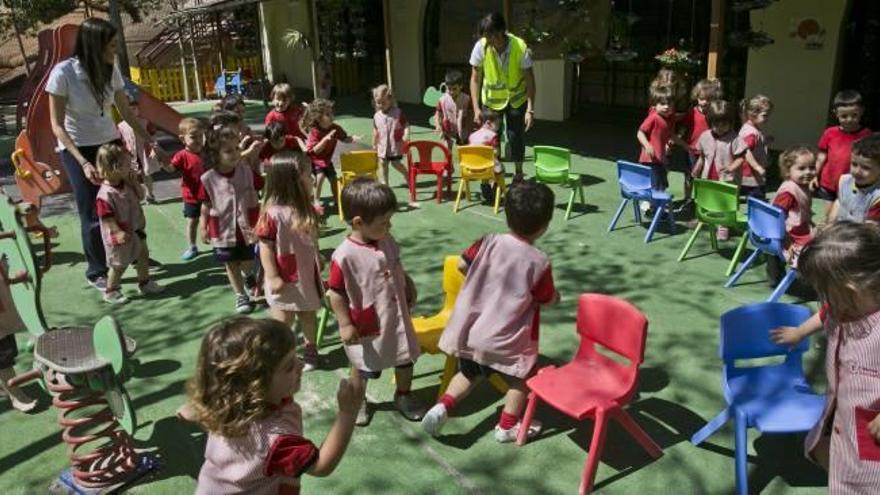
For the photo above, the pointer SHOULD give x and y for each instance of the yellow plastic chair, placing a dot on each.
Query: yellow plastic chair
(362, 163)
(429, 328)
(477, 162)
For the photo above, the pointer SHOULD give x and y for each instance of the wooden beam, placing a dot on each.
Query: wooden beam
(716, 38)
(389, 47)
(316, 44)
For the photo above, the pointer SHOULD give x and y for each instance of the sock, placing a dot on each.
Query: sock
(507, 421)
(448, 402)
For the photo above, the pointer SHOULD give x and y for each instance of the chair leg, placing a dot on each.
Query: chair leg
(671, 215)
(638, 433)
(654, 221)
(617, 214)
(412, 187)
(600, 423)
(783, 286)
(637, 212)
(742, 269)
(439, 187)
(711, 427)
(581, 192)
(449, 369)
(690, 242)
(570, 203)
(738, 254)
(461, 187)
(523, 434)
(713, 238)
(322, 325)
(339, 187)
(500, 189)
(498, 383)
(742, 450)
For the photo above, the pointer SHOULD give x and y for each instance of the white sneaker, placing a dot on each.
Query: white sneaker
(363, 416)
(434, 420)
(507, 436)
(115, 297)
(151, 287)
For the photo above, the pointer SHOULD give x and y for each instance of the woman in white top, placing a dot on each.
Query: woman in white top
(82, 90)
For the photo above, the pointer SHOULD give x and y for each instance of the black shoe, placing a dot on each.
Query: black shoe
(488, 192)
(153, 265)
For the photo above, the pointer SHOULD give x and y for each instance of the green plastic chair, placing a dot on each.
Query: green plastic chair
(717, 206)
(430, 98)
(553, 166)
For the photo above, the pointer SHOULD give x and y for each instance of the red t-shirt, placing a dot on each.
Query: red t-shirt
(290, 117)
(800, 234)
(695, 121)
(324, 159)
(658, 129)
(269, 151)
(192, 167)
(837, 144)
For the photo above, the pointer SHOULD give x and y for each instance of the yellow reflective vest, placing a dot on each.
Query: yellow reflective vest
(500, 89)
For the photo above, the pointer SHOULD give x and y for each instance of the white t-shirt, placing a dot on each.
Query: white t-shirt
(478, 53)
(85, 122)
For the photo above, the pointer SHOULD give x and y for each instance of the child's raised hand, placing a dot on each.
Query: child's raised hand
(789, 336)
(349, 396)
(874, 428)
(349, 334)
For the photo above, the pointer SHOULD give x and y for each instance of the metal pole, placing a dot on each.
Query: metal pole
(716, 25)
(389, 47)
(195, 59)
(183, 74)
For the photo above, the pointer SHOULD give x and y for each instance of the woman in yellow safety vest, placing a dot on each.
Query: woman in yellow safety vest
(502, 79)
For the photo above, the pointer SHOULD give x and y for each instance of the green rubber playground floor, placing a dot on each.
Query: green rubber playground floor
(679, 388)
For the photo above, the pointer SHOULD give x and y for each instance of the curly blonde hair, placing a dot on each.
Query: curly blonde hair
(236, 362)
(313, 113)
(110, 158)
(790, 156)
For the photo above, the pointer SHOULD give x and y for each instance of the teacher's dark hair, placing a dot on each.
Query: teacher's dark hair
(93, 37)
(493, 24)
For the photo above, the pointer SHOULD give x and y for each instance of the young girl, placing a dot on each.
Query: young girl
(229, 211)
(288, 233)
(145, 162)
(275, 140)
(750, 147)
(242, 393)
(286, 110)
(655, 133)
(323, 135)
(371, 295)
(487, 135)
(695, 122)
(842, 265)
(494, 325)
(797, 167)
(390, 131)
(122, 222)
(714, 150)
(452, 116)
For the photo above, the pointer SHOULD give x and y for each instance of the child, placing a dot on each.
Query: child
(835, 145)
(145, 164)
(750, 147)
(190, 164)
(452, 120)
(122, 222)
(10, 322)
(276, 140)
(487, 135)
(798, 167)
(229, 212)
(390, 131)
(858, 194)
(288, 233)
(242, 393)
(286, 110)
(655, 133)
(671, 79)
(371, 295)
(714, 150)
(323, 136)
(842, 265)
(494, 325)
(249, 145)
(695, 122)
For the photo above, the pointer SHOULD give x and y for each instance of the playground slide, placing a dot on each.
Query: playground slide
(157, 112)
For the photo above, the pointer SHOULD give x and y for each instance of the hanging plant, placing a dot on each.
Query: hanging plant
(618, 49)
(575, 50)
(295, 40)
(675, 59)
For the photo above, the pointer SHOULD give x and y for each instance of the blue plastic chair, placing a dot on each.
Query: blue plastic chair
(635, 186)
(767, 235)
(772, 398)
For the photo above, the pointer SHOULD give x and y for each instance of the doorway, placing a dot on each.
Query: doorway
(860, 69)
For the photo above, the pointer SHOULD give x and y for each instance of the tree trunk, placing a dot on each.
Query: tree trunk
(195, 59)
(183, 75)
(116, 19)
(27, 66)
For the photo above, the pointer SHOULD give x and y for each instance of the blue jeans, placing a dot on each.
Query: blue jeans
(85, 193)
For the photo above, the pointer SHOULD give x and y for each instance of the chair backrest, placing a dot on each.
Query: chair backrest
(552, 164)
(453, 279)
(476, 156)
(613, 323)
(360, 162)
(432, 96)
(715, 197)
(766, 226)
(745, 331)
(424, 153)
(633, 177)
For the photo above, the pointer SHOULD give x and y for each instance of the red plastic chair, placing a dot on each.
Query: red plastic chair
(422, 164)
(593, 385)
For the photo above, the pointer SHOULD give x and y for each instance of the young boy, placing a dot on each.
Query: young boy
(836, 142)
(371, 295)
(858, 193)
(276, 140)
(487, 135)
(189, 162)
(494, 325)
(655, 133)
(285, 110)
(452, 118)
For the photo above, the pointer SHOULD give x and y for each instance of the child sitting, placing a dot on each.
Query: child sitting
(286, 111)
(750, 146)
(122, 222)
(371, 295)
(452, 118)
(145, 162)
(190, 164)
(288, 233)
(494, 325)
(487, 135)
(797, 167)
(247, 375)
(390, 131)
(835, 145)
(695, 122)
(714, 150)
(858, 194)
(321, 143)
(229, 212)
(843, 267)
(276, 140)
